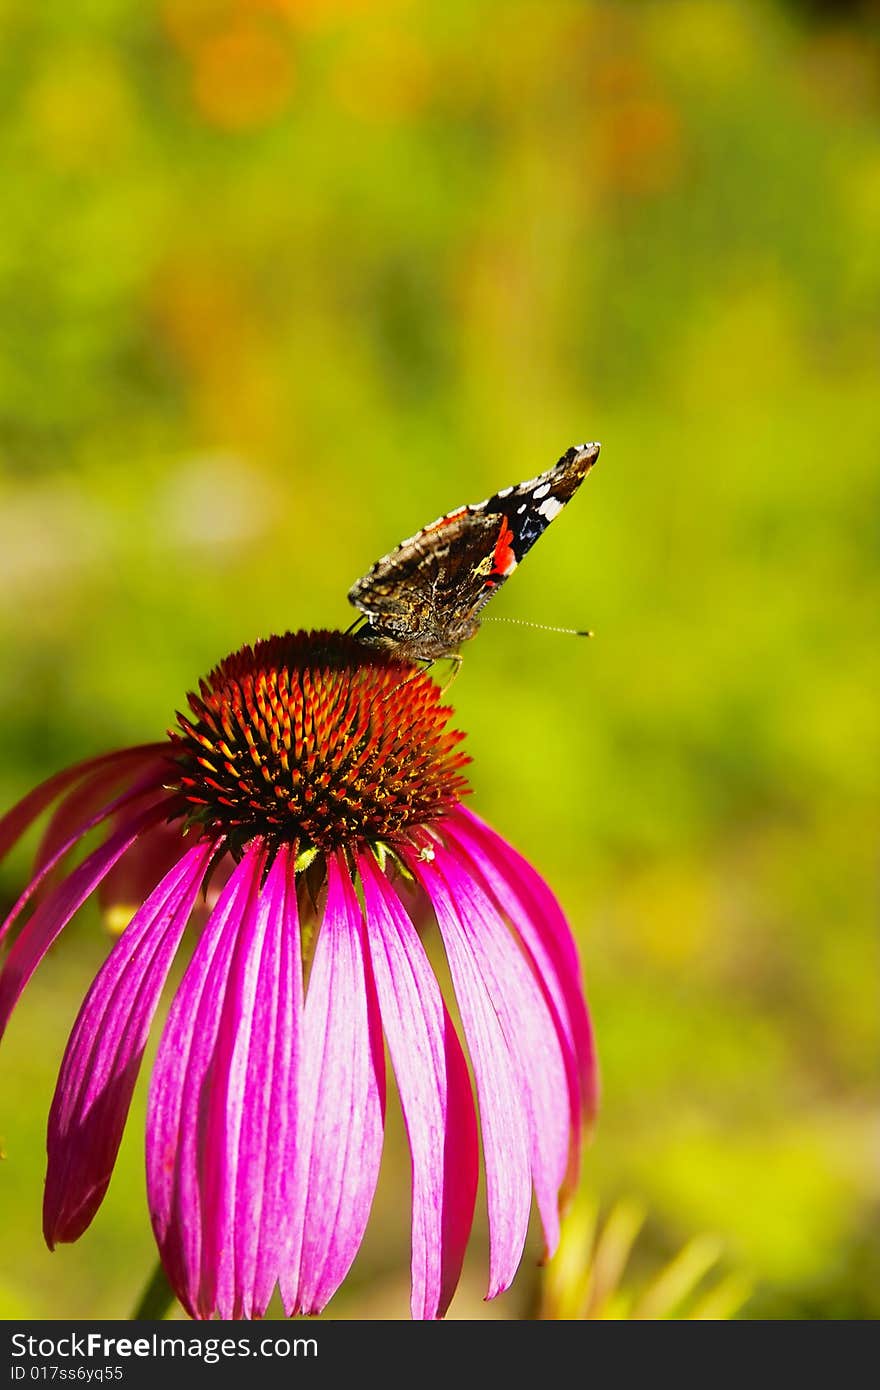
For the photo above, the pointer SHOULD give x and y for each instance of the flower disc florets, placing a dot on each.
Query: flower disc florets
(316, 739)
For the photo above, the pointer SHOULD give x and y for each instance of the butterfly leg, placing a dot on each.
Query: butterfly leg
(455, 661)
(420, 665)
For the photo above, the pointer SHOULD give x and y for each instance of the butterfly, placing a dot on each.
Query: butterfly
(425, 598)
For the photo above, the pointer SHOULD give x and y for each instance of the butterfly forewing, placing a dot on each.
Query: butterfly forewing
(423, 599)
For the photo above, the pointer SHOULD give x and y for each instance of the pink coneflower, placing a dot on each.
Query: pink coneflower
(316, 788)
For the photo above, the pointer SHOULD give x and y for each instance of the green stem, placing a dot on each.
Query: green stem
(156, 1298)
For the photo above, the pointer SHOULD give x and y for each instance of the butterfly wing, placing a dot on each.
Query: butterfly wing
(526, 511)
(435, 583)
(429, 579)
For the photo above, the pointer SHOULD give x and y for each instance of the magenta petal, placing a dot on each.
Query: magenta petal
(534, 911)
(503, 1120)
(179, 1160)
(79, 805)
(435, 1095)
(105, 1049)
(16, 821)
(111, 808)
(250, 1109)
(515, 862)
(55, 911)
(530, 1032)
(341, 1102)
(562, 986)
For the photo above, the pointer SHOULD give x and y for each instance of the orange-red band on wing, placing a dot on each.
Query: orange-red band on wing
(504, 559)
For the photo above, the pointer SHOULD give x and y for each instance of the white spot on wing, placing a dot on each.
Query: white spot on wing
(552, 507)
(540, 492)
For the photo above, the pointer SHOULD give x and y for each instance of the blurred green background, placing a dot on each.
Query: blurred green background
(282, 280)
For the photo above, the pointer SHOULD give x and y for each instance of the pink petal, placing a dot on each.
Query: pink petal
(537, 916)
(55, 911)
(179, 1158)
(435, 1095)
(562, 987)
(104, 1053)
(40, 879)
(530, 1033)
(503, 1120)
(80, 804)
(250, 1106)
(342, 1100)
(16, 821)
(131, 881)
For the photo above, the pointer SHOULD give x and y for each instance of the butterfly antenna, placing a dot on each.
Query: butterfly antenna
(542, 627)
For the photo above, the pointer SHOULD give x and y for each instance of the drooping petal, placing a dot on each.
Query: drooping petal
(177, 1128)
(540, 932)
(103, 1056)
(517, 863)
(503, 1121)
(435, 1095)
(250, 1103)
(124, 802)
(130, 882)
(55, 911)
(19, 817)
(537, 916)
(529, 1030)
(81, 803)
(341, 1102)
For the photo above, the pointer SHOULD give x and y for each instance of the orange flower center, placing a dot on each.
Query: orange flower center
(315, 738)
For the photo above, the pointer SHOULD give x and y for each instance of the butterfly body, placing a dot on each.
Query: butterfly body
(424, 599)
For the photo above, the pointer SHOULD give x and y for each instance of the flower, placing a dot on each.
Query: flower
(307, 814)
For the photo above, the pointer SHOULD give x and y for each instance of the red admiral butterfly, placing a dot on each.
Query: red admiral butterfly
(424, 599)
